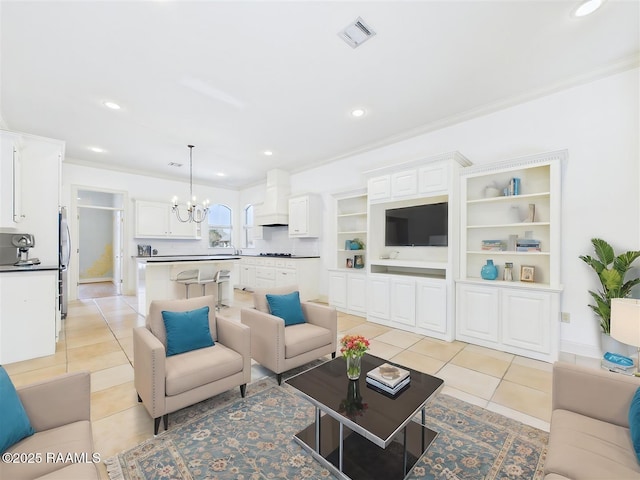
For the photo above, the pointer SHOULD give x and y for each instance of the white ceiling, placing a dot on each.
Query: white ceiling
(237, 78)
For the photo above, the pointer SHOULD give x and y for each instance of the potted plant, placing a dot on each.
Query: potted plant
(611, 270)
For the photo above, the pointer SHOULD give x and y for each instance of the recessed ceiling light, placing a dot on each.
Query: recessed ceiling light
(587, 7)
(220, 174)
(97, 149)
(268, 153)
(358, 112)
(111, 105)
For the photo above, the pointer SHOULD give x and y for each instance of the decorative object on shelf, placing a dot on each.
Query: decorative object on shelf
(511, 244)
(491, 191)
(507, 273)
(531, 217)
(349, 263)
(347, 244)
(352, 350)
(528, 245)
(352, 405)
(489, 271)
(611, 270)
(527, 273)
(492, 245)
(514, 186)
(195, 212)
(625, 324)
(358, 261)
(357, 244)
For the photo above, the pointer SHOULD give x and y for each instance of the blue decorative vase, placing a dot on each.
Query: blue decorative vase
(489, 271)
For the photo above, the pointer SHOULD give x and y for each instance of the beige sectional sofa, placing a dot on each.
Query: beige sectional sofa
(590, 436)
(62, 447)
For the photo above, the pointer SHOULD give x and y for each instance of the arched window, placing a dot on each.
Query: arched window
(248, 225)
(219, 226)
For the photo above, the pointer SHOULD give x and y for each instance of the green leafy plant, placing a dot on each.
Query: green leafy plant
(611, 270)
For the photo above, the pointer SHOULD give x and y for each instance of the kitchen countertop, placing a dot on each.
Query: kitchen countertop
(186, 258)
(285, 258)
(27, 268)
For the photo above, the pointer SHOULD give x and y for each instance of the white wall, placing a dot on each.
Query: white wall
(597, 122)
(143, 188)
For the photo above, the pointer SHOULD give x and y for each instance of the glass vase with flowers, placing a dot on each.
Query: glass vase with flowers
(353, 348)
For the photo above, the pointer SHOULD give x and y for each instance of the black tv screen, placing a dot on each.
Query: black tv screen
(419, 226)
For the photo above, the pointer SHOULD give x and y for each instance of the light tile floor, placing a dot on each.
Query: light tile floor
(98, 334)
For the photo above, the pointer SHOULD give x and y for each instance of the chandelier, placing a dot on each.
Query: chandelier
(195, 212)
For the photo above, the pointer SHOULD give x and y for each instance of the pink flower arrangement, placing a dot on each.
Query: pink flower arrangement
(353, 345)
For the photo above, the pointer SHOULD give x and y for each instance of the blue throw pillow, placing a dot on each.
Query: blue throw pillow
(13, 418)
(287, 307)
(187, 331)
(634, 422)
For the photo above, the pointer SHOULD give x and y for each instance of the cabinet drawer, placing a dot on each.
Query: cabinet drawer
(264, 283)
(265, 273)
(286, 276)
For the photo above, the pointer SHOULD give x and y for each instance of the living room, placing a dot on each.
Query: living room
(594, 117)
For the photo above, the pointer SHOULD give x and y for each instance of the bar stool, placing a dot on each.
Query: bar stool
(198, 276)
(221, 276)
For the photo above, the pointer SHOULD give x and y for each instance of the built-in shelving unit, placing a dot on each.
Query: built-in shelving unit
(516, 316)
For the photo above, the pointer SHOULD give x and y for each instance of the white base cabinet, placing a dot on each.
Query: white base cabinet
(413, 303)
(28, 315)
(267, 272)
(348, 291)
(523, 321)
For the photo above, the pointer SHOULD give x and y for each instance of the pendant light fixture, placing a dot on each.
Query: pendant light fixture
(196, 213)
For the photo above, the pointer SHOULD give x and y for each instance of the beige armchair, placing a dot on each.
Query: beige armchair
(167, 384)
(281, 348)
(59, 412)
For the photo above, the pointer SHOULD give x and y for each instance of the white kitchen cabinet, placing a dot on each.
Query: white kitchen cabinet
(404, 184)
(268, 272)
(28, 315)
(305, 216)
(434, 179)
(157, 220)
(403, 300)
(431, 305)
(247, 273)
(10, 181)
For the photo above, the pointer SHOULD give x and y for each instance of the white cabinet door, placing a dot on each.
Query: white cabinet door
(28, 310)
(379, 188)
(404, 184)
(431, 305)
(298, 219)
(433, 178)
(527, 319)
(403, 300)
(152, 219)
(357, 292)
(247, 275)
(478, 312)
(286, 276)
(338, 289)
(378, 296)
(10, 181)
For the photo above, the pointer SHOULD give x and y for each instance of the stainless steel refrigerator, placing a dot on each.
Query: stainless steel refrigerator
(64, 256)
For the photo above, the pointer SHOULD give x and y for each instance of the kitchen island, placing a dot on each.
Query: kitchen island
(155, 278)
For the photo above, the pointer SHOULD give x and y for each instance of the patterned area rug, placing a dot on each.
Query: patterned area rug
(227, 437)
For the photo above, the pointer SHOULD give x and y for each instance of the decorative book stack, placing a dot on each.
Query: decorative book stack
(388, 378)
(493, 245)
(527, 245)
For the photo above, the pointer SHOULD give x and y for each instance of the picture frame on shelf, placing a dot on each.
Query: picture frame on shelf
(527, 273)
(349, 263)
(358, 261)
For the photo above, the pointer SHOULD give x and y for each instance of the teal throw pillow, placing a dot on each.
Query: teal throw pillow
(634, 422)
(187, 331)
(287, 307)
(13, 418)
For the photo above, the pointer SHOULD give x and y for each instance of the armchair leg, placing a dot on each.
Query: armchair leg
(333, 354)
(156, 423)
(139, 399)
(279, 379)
(243, 389)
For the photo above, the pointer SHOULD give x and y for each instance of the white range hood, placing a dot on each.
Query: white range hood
(275, 208)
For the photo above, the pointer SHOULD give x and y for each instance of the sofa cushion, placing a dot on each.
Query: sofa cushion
(13, 418)
(303, 338)
(199, 367)
(187, 331)
(73, 438)
(586, 448)
(634, 422)
(286, 307)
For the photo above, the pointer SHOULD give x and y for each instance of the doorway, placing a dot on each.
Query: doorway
(100, 243)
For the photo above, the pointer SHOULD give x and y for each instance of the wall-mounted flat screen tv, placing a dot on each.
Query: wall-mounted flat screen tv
(418, 226)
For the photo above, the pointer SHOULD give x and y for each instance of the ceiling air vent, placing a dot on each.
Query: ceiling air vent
(175, 164)
(356, 33)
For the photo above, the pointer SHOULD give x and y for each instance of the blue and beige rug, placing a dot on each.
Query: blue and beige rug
(228, 437)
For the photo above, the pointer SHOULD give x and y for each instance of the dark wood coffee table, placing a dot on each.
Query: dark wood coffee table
(359, 432)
